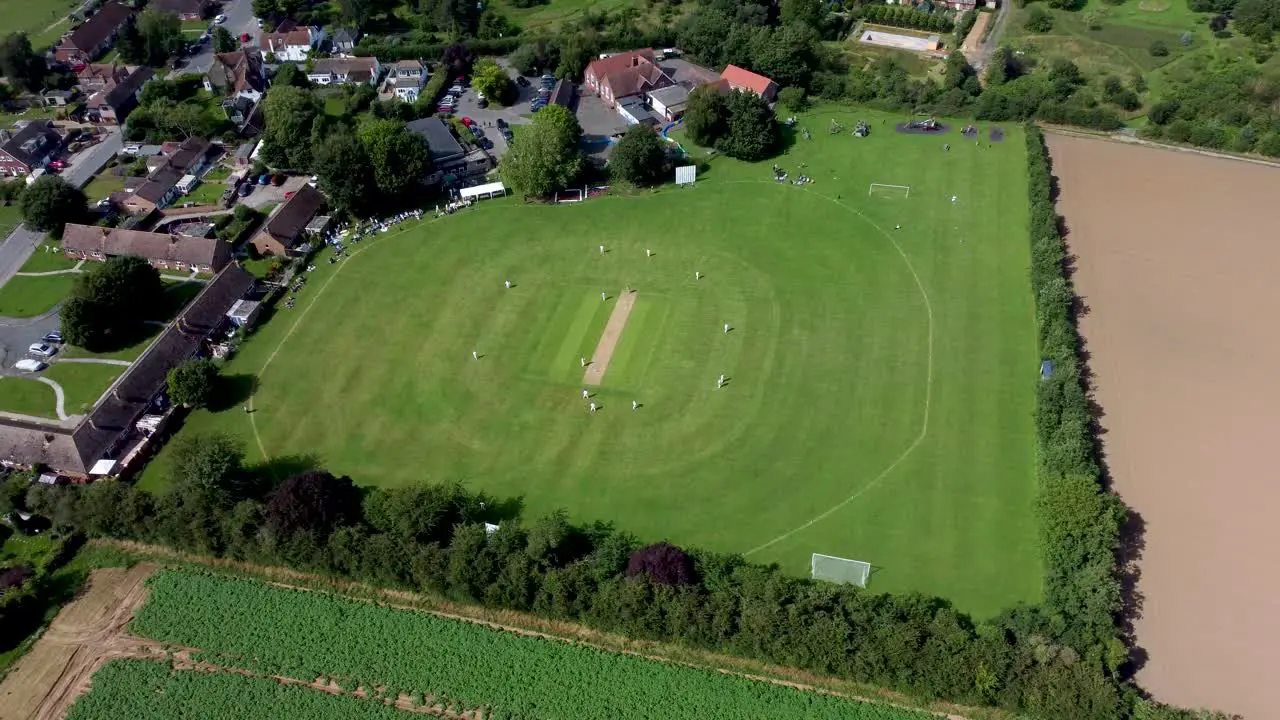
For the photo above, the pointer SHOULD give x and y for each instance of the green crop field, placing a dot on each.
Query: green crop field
(272, 631)
(880, 381)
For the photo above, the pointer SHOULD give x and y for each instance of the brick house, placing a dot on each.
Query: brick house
(95, 77)
(283, 230)
(736, 78)
(95, 36)
(162, 250)
(161, 186)
(634, 72)
(27, 147)
(111, 106)
(237, 74)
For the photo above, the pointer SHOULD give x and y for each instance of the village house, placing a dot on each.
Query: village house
(634, 72)
(736, 78)
(237, 74)
(186, 10)
(161, 188)
(95, 36)
(112, 105)
(181, 253)
(290, 45)
(27, 147)
(344, 40)
(404, 81)
(282, 234)
(345, 71)
(96, 77)
(121, 430)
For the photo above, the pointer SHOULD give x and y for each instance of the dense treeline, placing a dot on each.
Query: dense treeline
(1220, 103)
(901, 16)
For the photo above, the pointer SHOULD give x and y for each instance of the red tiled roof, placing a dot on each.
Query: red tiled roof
(632, 80)
(743, 78)
(281, 40)
(613, 63)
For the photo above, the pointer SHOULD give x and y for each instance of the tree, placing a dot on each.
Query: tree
(192, 383)
(224, 41)
(1038, 20)
(494, 25)
(20, 64)
(664, 564)
(154, 38)
(793, 99)
(956, 71)
(289, 75)
(289, 113)
(314, 502)
(209, 468)
(108, 302)
(547, 157)
(345, 174)
(805, 12)
(51, 202)
(706, 116)
(457, 58)
(491, 79)
(752, 132)
(399, 159)
(638, 158)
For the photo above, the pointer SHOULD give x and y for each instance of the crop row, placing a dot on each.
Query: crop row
(150, 690)
(299, 634)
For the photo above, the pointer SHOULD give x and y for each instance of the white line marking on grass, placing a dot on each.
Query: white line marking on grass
(928, 385)
(253, 423)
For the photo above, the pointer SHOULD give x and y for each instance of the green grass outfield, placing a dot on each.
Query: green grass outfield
(880, 388)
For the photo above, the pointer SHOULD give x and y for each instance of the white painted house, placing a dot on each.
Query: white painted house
(292, 45)
(345, 71)
(405, 81)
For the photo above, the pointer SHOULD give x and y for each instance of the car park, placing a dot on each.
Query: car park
(522, 81)
(455, 90)
(42, 349)
(244, 37)
(277, 180)
(245, 189)
(53, 337)
(131, 149)
(264, 178)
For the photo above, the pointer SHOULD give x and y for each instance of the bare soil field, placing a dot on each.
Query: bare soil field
(1176, 257)
(83, 637)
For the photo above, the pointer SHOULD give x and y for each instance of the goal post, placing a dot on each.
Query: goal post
(839, 570)
(885, 190)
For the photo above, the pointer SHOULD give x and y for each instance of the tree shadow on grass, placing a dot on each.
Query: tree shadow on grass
(270, 473)
(232, 390)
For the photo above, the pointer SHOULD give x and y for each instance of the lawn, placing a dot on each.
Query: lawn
(26, 396)
(7, 119)
(33, 17)
(103, 185)
(206, 193)
(130, 349)
(10, 218)
(47, 261)
(83, 383)
(555, 12)
(31, 296)
(880, 382)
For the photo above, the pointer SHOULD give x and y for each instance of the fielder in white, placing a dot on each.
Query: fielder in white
(585, 394)
(601, 249)
(726, 328)
(475, 355)
(508, 284)
(634, 404)
(593, 407)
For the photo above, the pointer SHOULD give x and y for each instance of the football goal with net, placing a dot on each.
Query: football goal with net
(839, 570)
(889, 191)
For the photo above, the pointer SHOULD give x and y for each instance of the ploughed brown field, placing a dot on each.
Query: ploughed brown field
(1177, 260)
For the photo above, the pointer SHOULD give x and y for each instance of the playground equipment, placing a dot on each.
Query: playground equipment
(805, 133)
(928, 124)
(861, 129)
(836, 127)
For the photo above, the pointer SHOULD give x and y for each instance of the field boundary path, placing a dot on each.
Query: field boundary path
(84, 636)
(609, 339)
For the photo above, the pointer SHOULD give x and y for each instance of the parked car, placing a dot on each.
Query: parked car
(467, 122)
(502, 123)
(29, 365)
(482, 103)
(485, 143)
(131, 149)
(277, 180)
(244, 37)
(53, 337)
(42, 350)
(455, 90)
(58, 164)
(522, 81)
(264, 178)
(220, 18)
(245, 189)
(475, 130)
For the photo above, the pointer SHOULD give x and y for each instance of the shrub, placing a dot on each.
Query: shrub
(1158, 48)
(664, 564)
(1039, 20)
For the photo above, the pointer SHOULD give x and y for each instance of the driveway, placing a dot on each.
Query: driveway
(598, 120)
(240, 20)
(263, 195)
(16, 248)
